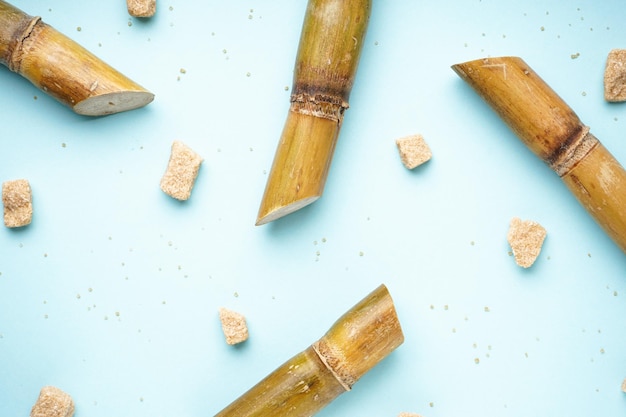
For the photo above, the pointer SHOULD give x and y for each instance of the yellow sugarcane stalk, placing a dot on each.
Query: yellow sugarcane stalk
(551, 129)
(330, 46)
(62, 68)
(310, 380)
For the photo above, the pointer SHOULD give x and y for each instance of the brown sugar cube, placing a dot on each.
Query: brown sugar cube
(624, 385)
(615, 76)
(141, 8)
(17, 200)
(234, 326)
(53, 402)
(181, 173)
(526, 238)
(413, 150)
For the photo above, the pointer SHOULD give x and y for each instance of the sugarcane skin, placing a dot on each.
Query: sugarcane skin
(80, 75)
(535, 113)
(330, 47)
(302, 386)
(551, 129)
(293, 185)
(599, 182)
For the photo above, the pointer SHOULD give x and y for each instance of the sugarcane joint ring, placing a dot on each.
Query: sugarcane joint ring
(319, 105)
(14, 60)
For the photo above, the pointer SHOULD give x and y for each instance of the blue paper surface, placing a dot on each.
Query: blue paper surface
(112, 293)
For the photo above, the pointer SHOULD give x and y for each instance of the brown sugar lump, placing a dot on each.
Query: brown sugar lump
(615, 76)
(234, 326)
(526, 239)
(181, 173)
(624, 385)
(53, 402)
(414, 150)
(141, 8)
(17, 201)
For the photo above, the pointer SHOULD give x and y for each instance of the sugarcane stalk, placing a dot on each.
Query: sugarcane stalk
(62, 68)
(310, 380)
(330, 46)
(551, 129)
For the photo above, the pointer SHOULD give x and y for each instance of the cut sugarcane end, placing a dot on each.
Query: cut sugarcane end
(111, 103)
(268, 216)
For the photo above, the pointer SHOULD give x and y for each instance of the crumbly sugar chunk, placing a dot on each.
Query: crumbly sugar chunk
(234, 326)
(53, 402)
(414, 150)
(17, 201)
(141, 8)
(182, 170)
(615, 76)
(526, 239)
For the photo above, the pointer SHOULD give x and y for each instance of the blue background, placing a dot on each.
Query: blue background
(112, 292)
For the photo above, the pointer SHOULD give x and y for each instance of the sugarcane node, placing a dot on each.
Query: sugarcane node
(332, 360)
(318, 106)
(311, 79)
(573, 152)
(305, 97)
(24, 30)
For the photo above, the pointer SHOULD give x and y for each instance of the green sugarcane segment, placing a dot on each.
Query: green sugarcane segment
(302, 385)
(330, 47)
(62, 68)
(552, 131)
(310, 380)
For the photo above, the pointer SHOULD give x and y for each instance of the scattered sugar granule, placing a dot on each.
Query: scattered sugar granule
(624, 385)
(53, 402)
(181, 173)
(404, 414)
(234, 326)
(615, 76)
(414, 150)
(526, 238)
(141, 8)
(18, 203)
